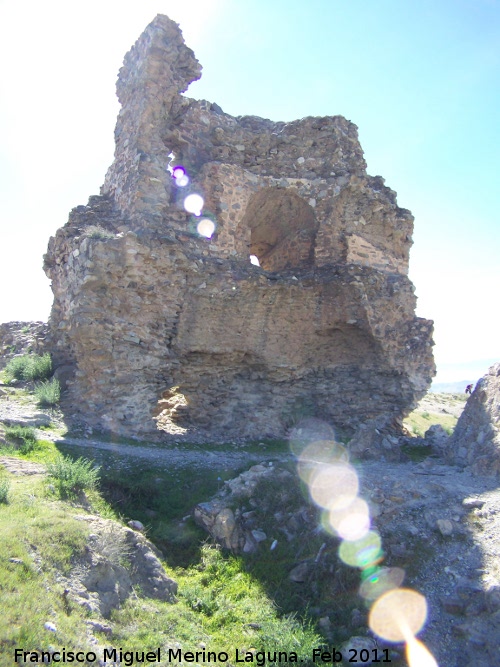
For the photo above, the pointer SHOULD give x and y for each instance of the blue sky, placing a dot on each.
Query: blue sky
(420, 79)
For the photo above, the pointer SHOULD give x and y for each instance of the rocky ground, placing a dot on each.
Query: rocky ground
(442, 404)
(437, 522)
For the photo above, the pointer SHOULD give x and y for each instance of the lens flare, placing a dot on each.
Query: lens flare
(178, 172)
(362, 553)
(398, 615)
(418, 655)
(308, 431)
(382, 580)
(194, 204)
(206, 228)
(333, 487)
(321, 452)
(351, 522)
(182, 181)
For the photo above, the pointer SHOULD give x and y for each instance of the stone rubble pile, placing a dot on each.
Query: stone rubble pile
(233, 517)
(438, 524)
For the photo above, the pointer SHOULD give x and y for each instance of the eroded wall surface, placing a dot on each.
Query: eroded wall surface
(167, 330)
(475, 443)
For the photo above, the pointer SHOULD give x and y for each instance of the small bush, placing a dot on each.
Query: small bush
(111, 543)
(98, 232)
(71, 477)
(24, 437)
(417, 453)
(4, 490)
(29, 367)
(48, 392)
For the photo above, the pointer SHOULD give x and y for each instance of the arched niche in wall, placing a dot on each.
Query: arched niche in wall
(283, 229)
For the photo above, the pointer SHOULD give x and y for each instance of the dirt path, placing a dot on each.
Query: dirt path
(176, 456)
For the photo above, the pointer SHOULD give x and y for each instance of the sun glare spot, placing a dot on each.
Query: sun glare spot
(419, 655)
(180, 176)
(383, 580)
(334, 486)
(206, 228)
(194, 204)
(398, 615)
(321, 452)
(362, 553)
(178, 172)
(351, 522)
(182, 181)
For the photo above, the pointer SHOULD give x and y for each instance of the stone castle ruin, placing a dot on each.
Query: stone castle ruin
(158, 327)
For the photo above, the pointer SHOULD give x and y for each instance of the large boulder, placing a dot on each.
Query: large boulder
(475, 442)
(116, 560)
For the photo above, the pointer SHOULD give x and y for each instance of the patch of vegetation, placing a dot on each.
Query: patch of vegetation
(444, 404)
(161, 499)
(29, 367)
(42, 451)
(418, 422)
(48, 393)
(38, 539)
(71, 477)
(59, 430)
(220, 605)
(20, 395)
(4, 490)
(330, 588)
(97, 232)
(22, 437)
(111, 544)
(416, 453)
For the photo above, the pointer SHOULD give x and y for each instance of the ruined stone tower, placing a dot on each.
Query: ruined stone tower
(161, 328)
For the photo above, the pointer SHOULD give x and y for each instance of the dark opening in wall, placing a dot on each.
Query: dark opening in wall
(283, 229)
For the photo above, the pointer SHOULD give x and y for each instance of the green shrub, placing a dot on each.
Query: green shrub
(29, 367)
(24, 437)
(98, 232)
(4, 490)
(73, 476)
(48, 392)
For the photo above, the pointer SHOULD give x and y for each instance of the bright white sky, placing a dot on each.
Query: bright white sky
(420, 78)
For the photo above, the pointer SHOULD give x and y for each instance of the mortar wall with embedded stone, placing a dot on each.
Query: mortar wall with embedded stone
(168, 330)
